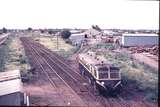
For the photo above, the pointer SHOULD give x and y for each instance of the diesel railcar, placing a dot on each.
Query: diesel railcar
(101, 74)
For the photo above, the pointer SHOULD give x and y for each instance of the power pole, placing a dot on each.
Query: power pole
(57, 41)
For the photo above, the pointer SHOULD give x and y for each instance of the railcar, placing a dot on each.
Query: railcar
(101, 74)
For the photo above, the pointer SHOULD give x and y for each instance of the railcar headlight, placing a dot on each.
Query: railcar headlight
(102, 83)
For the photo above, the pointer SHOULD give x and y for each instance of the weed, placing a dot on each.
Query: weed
(142, 76)
(4, 49)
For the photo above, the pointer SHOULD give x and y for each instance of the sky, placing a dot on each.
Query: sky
(123, 14)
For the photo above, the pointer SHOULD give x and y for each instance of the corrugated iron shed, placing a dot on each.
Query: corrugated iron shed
(139, 39)
(10, 88)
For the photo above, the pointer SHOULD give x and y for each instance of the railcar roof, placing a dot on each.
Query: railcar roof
(94, 59)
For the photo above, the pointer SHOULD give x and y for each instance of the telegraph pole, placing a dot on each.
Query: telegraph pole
(57, 41)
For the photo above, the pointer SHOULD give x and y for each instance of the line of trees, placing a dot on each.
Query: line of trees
(96, 27)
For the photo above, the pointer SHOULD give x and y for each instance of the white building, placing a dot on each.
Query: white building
(139, 39)
(108, 32)
(77, 38)
(74, 31)
(92, 33)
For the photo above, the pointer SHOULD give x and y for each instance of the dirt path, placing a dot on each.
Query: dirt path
(146, 59)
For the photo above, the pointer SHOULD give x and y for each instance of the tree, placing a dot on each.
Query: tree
(4, 30)
(29, 29)
(41, 30)
(65, 34)
(50, 32)
(96, 27)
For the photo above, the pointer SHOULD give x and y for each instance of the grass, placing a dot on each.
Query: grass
(142, 76)
(51, 43)
(104, 46)
(4, 53)
(16, 58)
(67, 54)
(145, 79)
(64, 49)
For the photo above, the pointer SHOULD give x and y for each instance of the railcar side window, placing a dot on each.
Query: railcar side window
(95, 73)
(103, 73)
(88, 66)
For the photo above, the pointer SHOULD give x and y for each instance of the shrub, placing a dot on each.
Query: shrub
(26, 76)
(4, 30)
(22, 59)
(151, 97)
(29, 29)
(65, 34)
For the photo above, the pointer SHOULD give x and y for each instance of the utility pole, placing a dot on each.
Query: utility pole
(57, 40)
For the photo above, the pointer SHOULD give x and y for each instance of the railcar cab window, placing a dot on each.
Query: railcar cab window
(114, 72)
(103, 72)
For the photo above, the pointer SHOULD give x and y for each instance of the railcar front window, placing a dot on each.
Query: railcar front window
(103, 73)
(114, 72)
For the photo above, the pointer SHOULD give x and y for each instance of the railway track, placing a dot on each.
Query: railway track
(73, 82)
(58, 82)
(70, 78)
(76, 79)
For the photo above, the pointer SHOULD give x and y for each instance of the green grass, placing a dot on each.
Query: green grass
(4, 49)
(23, 59)
(67, 54)
(14, 57)
(133, 72)
(104, 46)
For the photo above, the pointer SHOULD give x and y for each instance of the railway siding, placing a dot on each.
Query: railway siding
(67, 95)
(55, 65)
(69, 78)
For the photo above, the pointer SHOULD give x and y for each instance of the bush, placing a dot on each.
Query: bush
(151, 97)
(122, 56)
(37, 40)
(65, 34)
(68, 41)
(42, 31)
(4, 30)
(50, 32)
(29, 29)
(26, 76)
(22, 59)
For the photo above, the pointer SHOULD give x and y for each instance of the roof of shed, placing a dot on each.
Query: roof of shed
(140, 34)
(10, 82)
(77, 34)
(5, 76)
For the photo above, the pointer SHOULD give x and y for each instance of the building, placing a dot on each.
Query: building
(108, 33)
(139, 39)
(92, 33)
(74, 31)
(11, 89)
(77, 39)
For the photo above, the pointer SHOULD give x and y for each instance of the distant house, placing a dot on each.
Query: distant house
(92, 33)
(108, 33)
(75, 31)
(58, 34)
(11, 89)
(77, 39)
(139, 39)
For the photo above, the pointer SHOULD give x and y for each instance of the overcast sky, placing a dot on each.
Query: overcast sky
(79, 14)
